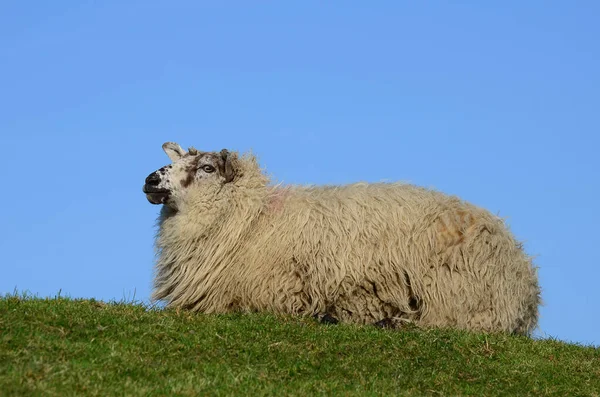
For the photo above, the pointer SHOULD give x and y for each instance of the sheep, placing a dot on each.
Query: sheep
(365, 253)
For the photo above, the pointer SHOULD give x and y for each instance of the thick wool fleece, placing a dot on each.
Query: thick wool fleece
(362, 253)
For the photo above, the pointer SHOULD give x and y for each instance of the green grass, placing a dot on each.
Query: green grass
(85, 347)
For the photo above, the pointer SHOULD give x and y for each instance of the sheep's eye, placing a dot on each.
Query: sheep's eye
(208, 168)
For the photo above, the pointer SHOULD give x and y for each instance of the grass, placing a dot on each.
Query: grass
(84, 347)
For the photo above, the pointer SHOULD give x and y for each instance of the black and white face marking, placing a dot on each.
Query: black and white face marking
(170, 182)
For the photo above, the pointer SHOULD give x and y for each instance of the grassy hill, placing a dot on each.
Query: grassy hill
(74, 347)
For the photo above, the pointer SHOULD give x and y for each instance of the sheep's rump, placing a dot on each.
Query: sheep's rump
(364, 253)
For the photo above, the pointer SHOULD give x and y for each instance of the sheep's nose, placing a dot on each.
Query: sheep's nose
(153, 179)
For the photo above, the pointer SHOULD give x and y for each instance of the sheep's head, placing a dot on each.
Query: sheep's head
(169, 183)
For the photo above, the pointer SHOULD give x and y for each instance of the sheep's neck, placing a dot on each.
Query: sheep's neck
(198, 243)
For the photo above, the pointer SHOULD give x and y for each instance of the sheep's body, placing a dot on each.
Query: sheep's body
(361, 253)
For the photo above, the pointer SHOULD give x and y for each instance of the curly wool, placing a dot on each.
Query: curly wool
(361, 253)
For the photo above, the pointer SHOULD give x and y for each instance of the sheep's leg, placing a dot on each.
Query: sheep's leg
(326, 318)
(392, 323)
(385, 323)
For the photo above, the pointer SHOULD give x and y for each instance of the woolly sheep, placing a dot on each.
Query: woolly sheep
(381, 253)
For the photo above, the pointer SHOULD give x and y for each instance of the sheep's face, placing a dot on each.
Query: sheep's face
(169, 184)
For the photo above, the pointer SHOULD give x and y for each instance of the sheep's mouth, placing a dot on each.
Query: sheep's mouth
(156, 195)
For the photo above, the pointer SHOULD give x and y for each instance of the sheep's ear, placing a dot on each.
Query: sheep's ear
(231, 164)
(173, 150)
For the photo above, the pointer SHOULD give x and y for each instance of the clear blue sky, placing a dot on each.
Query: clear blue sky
(496, 102)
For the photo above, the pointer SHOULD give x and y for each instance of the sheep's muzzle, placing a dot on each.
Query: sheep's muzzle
(155, 194)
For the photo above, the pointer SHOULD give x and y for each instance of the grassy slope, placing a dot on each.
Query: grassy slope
(67, 347)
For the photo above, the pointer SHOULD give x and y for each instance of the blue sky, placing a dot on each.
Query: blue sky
(496, 102)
